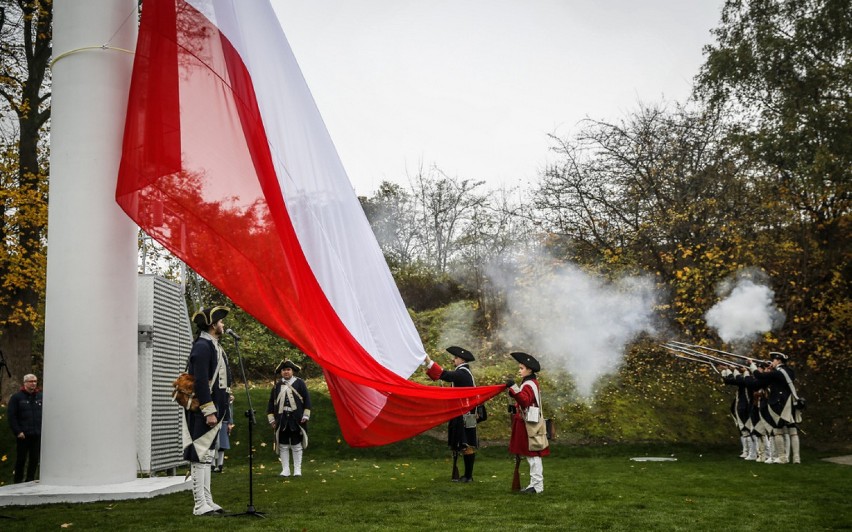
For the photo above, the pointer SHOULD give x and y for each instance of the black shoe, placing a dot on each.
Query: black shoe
(466, 479)
(530, 490)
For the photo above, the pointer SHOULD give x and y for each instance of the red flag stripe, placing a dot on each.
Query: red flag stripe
(203, 182)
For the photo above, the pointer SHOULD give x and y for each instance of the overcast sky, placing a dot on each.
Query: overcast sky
(475, 86)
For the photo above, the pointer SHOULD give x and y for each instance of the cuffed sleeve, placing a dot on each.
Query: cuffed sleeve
(434, 371)
(208, 408)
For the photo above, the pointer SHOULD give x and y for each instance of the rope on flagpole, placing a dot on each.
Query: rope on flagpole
(104, 46)
(86, 48)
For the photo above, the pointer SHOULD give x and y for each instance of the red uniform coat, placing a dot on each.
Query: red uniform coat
(519, 442)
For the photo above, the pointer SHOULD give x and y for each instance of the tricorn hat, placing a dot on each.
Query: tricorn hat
(287, 363)
(461, 352)
(206, 317)
(527, 361)
(777, 355)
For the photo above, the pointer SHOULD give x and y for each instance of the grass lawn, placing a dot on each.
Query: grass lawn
(406, 486)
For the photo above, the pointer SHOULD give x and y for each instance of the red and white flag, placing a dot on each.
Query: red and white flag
(226, 162)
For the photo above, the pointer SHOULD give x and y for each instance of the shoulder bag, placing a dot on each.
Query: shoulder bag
(478, 414)
(535, 424)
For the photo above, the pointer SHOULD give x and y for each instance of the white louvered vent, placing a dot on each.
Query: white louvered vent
(165, 338)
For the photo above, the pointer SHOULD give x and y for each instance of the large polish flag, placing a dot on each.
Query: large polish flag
(226, 162)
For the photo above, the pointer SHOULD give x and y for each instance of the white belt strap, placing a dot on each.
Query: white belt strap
(287, 392)
(789, 382)
(537, 396)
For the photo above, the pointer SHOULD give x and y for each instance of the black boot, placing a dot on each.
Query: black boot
(469, 459)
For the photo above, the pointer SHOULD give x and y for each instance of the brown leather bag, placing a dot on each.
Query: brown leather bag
(184, 393)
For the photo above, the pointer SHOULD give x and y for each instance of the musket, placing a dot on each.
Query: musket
(743, 357)
(516, 476)
(705, 362)
(703, 356)
(455, 465)
(684, 356)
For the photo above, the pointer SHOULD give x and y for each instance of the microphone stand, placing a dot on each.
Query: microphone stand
(250, 510)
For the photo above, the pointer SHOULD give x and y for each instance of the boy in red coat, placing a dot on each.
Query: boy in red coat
(526, 395)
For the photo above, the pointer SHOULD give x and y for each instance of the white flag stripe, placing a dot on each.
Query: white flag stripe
(333, 232)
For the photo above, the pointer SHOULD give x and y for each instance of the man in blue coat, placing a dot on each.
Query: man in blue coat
(741, 410)
(784, 406)
(288, 412)
(209, 367)
(461, 431)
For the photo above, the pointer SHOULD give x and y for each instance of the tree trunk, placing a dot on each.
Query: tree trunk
(16, 344)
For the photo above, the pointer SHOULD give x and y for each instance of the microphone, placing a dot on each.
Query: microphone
(232, 333)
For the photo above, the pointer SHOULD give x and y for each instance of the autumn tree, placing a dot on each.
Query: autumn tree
(660, 192)
(782, 70)
(25, 50)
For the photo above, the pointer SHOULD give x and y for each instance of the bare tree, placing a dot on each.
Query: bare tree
(644, 186)
(662, 192)
(393, 217)
(498, 229)
(446, 207)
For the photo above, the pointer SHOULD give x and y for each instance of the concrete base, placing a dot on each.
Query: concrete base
(34, 493)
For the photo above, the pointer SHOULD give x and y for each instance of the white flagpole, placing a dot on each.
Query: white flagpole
(90, 352)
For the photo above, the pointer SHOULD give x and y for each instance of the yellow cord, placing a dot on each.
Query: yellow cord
(85, 48)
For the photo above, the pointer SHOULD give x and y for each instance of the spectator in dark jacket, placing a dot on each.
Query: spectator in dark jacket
(25, 422)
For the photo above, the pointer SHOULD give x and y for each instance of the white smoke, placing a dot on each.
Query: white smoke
(573, 321)
(458, 326)
(746, 310)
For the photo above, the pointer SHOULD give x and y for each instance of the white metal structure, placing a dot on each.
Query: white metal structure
(165, 339)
